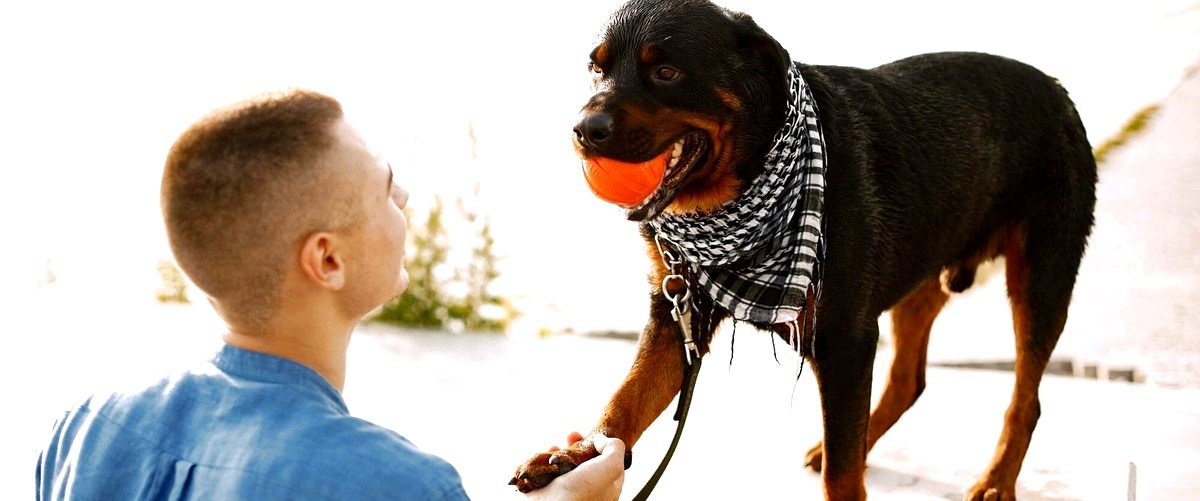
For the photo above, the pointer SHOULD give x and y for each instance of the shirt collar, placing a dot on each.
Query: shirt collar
(272, 369)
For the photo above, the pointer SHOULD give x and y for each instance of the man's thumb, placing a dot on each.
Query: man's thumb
(603, 444)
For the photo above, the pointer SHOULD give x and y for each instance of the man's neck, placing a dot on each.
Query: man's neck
(317, 345)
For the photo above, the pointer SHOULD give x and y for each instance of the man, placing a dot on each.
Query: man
(278, 211)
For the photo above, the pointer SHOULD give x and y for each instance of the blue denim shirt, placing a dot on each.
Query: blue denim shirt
(248, 426)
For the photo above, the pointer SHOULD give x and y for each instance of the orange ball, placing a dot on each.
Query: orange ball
(625, 183)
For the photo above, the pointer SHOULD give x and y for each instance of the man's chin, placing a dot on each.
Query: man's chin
(401, 284)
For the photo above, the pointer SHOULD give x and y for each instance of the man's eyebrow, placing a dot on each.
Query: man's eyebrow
(389, 185)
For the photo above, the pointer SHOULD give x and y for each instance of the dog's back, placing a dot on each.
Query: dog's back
(951, 150)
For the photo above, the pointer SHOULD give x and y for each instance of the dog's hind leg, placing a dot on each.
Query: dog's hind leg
(1041, 262)
(1042, 256)
(912, 319)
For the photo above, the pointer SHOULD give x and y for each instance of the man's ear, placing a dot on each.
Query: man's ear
(321, 261)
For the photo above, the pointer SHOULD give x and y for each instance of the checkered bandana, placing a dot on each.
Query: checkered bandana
(759, 256)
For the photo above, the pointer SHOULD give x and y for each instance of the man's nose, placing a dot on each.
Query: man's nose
(595, 129)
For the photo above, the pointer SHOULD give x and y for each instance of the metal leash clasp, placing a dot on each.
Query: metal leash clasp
(681, 303)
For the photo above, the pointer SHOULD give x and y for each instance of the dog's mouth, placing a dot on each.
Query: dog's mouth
(645, 189)
(686, 154)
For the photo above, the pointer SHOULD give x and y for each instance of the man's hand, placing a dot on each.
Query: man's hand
(599, 478)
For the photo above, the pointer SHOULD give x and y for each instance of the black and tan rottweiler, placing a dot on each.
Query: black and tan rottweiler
(934, 164)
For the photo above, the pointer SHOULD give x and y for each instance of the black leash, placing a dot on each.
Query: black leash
(682, 313)
(685, 402)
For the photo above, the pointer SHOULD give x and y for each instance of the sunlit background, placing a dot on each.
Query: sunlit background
(472, 100)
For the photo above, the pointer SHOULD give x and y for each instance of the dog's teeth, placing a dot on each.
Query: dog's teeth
(676, 152)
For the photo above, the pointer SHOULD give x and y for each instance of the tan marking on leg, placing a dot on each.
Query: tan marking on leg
(999, 481)
(912, 320)
(848, 486)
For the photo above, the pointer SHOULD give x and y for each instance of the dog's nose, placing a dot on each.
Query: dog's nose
(595, 129)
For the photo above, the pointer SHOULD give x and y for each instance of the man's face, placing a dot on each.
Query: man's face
(375, 264)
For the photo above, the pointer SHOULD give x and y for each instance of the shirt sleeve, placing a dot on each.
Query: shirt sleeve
(50, 458)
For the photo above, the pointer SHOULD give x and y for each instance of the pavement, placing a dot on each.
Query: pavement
(753, 420)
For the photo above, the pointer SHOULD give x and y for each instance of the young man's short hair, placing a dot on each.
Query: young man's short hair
(240, 191)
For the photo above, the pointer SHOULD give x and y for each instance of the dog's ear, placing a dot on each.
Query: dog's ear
(753, 40)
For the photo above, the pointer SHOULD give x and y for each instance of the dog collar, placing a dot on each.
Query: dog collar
(760, 256)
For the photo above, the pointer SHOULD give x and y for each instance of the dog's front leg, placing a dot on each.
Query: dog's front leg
(843, 361)
(648, 389)
(652, 382)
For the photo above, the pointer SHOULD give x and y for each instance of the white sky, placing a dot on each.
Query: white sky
(93, 93)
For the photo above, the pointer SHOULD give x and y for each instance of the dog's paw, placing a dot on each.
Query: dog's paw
(812, 460)
(539, 471)
(982, 491)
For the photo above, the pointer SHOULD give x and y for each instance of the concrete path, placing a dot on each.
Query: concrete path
(486, 403)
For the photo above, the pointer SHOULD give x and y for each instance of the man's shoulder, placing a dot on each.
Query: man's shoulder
(150, 396)
(370, 462)
(351, 439)
(322, 455)
(271, 435)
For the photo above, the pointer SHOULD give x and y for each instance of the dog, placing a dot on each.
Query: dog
(934, 164)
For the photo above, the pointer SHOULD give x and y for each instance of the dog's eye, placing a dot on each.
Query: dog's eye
(666, 73)
(594, 68)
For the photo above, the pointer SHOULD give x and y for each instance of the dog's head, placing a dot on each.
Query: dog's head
(690, 84)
